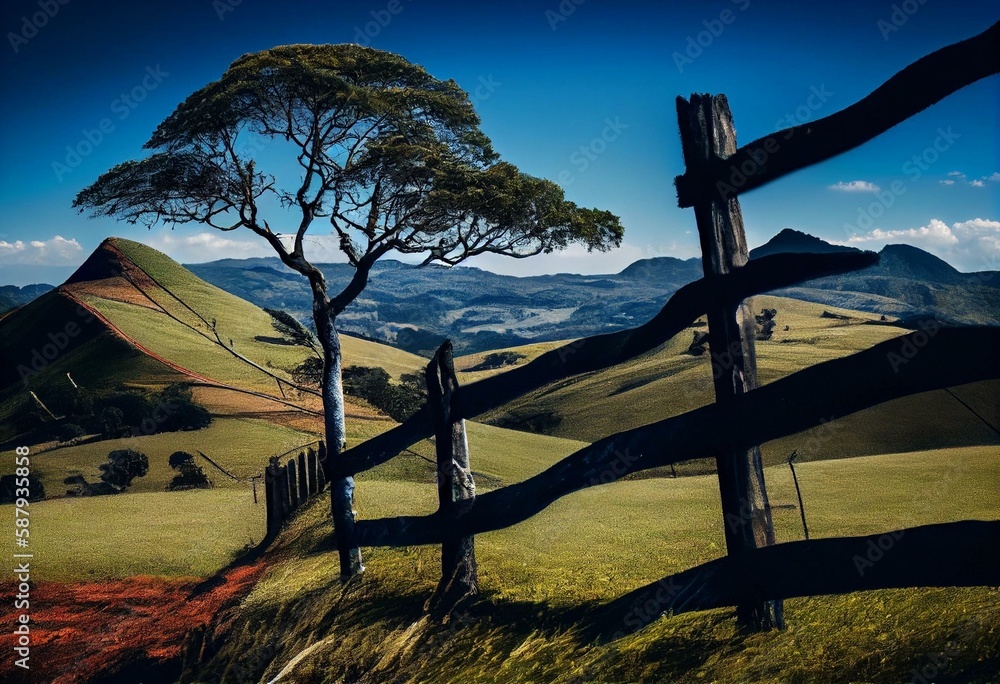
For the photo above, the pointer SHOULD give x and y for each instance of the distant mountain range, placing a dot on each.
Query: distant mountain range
(414, 308)
(12, 296)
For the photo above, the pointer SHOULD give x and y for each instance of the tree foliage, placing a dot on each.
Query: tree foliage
(123, 466)
(289, 327)
(190, 475)
(398, 401)
(391, 157)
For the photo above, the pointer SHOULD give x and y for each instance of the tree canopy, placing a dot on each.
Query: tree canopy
(391, 157)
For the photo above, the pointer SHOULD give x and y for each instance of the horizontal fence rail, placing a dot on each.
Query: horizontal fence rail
(964, 554)
(603, 351)
(909, 92)
(909, 364)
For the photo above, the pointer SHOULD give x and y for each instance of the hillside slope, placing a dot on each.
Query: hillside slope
(136, 317)
(669, 381)
(544, 578)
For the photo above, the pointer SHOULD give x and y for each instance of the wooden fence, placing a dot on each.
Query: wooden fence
(756, 574)
(289, 486)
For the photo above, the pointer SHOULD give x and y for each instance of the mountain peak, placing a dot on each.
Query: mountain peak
(913, 262)
(796, 242)
(104, 262)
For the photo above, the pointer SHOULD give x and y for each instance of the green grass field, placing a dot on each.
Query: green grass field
(668, 382)
(543, 575)
(188, 534)
(241, 446)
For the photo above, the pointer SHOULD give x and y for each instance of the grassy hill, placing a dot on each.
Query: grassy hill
(542, 577)
(142, 319)
(669, 381)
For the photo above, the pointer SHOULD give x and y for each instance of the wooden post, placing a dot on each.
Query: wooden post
(708, 134)
(314, 469)
(456, 489)
(320, 471)
(272, 498)
(293, 487)
(303, 479)
(282, 483)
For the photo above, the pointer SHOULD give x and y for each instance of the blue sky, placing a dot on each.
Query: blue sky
(578, 91)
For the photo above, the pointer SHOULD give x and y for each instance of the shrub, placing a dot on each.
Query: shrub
(68, 431)
(9, 485)
(123, 466)
(190, 475)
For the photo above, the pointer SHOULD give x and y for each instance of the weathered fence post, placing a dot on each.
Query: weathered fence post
(272, 498)
(313, 469)
(456, 489)
(286, 500)
(708, 134)
(293, 488)
(303, 479)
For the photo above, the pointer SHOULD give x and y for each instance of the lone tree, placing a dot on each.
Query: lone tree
(123, 466)
(391, 157)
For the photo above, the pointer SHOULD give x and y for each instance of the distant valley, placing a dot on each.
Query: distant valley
(415, 308)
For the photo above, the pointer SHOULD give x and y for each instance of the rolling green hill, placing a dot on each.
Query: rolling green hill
(138, 318)
(543, 577)
(669, 381)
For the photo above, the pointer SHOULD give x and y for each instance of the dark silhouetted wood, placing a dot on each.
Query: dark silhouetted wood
(286, 500)
(273, 499)
(958, 554)
(313, 467)
(303, 478)
(708, 134)
(603, 351)
(906, 365)
(918, 86)
(456, 488)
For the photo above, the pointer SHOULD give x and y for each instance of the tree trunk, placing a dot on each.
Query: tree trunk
(341, 486)
(456, 488)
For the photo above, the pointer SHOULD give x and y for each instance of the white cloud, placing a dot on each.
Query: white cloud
(213, 245)
(995, 177)
(972, 245)
(947, 182)
(206, 246)
(977, 184)
(957, 174)
(855, 186)
(57, 251)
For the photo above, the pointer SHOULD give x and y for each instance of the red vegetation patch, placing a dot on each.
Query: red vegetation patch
(79, 630)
